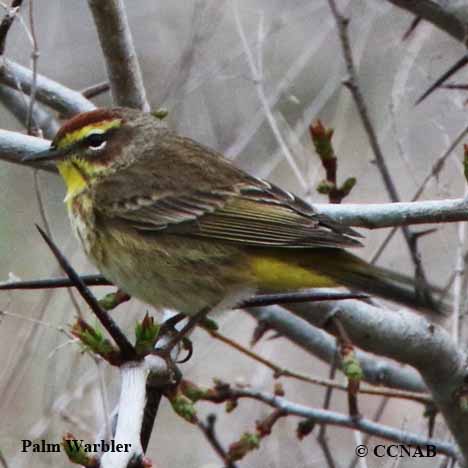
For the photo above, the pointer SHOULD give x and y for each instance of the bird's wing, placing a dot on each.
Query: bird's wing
(257, 214)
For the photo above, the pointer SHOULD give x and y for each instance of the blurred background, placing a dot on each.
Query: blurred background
(194, 64)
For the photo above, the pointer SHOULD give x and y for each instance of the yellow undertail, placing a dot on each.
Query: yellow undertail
(292, 269)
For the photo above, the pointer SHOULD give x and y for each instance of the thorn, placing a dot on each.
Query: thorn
(445, 76)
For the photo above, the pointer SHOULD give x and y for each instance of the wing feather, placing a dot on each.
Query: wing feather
(228, 205)
(233, 216)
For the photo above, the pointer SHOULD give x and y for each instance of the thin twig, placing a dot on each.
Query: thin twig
(443, 78)
(425, 346)
(45, 221)
(437, 166)
(18, 104)
(353, 85)
(3, 461)
(34, 60)
(52, 283)
(441, 14)
(208, 430)
(459, 279)
(322, 437)
(7, 22)
(126, 348)
(258, 79)
(225, 392)
(260, 300)
(376, 418)
(283, 372)
(95, 90)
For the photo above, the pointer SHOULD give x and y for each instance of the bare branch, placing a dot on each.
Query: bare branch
(323, 346)
(15, 146)
(353, 85)
(95, 90)
(18, 105)
(224, 392)
(122, 64)
(208, 429)
(410, 339)
(435, 170)
(34, 60)
(7, 21)
(284, 372)
(48, 92)
(380, 215)
(130, 418)
(53, 283)
(126, 348)
(256, 70)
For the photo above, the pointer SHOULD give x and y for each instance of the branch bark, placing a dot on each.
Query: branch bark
(410, 339)
(48, 92)
(122, 64)
(381, 215)
(333, 418)
(14, 146)
(19, 104)
(323, 346)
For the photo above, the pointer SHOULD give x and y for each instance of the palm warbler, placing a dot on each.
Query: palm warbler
(176, 225)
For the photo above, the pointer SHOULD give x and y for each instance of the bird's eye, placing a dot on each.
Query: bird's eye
(96, 141)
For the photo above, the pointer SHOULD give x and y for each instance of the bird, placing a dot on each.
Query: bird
(177, 225)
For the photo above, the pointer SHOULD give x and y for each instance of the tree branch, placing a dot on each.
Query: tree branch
(410, 339)
(128, 352)
(130, 418)
(224, 392)
(15, 146)
(122, 64)
(327, 383)
(48, 92)
(19, 104)
(7, 22)
(381, 215)
(323, 346)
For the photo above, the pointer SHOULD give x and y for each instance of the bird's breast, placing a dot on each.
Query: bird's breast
(82, 220)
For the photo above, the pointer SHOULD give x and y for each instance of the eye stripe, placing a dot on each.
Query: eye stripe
(79, 136)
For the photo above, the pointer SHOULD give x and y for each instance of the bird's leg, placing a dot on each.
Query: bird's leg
(180, 336)
(168, 326)
(186, 329)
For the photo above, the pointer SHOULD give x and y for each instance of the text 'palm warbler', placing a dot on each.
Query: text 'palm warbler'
(176, 225)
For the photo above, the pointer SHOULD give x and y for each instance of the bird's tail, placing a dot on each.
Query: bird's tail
(290, 269)
(351, 271)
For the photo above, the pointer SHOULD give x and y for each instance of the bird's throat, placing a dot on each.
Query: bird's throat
(74, 180)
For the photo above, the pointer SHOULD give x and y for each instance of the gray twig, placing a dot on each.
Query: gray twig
(208, 429)
(7, 22)
(353, 85)
(321, 416)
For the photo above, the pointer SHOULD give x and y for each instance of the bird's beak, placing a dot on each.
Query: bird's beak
(51, 154)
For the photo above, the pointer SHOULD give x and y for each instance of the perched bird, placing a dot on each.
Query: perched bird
(175, 224)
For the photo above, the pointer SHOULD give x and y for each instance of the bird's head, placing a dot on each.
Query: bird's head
(93, 144)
